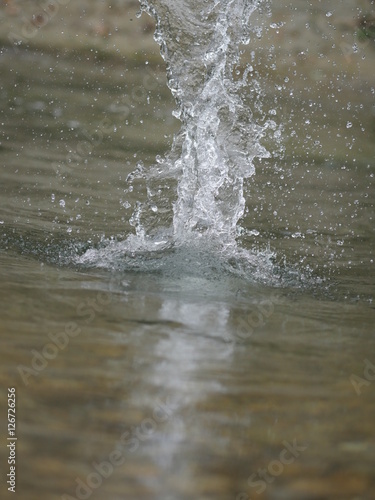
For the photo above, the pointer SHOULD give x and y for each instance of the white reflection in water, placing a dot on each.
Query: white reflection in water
(182, 370)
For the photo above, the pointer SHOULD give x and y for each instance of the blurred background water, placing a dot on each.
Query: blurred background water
(196, 371)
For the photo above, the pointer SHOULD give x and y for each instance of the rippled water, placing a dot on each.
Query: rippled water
(201, 312)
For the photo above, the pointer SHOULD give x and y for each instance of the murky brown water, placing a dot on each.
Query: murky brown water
(176, 384)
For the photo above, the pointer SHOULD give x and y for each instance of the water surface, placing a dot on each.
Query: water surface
(197, 365)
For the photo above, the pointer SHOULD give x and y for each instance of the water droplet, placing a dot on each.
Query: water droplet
(276, 25)
(349, 124)
(62, 203)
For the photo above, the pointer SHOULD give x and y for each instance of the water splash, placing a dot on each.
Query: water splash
(196, 226)
(218, 141)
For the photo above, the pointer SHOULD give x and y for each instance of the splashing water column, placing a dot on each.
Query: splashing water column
(218, 140)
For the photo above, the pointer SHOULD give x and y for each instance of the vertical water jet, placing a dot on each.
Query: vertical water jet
(218, 141)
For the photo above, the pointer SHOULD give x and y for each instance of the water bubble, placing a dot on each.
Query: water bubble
(276, 25)
(349, 124)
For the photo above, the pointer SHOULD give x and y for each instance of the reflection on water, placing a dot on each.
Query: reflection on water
(180, 375)
(162, 373)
